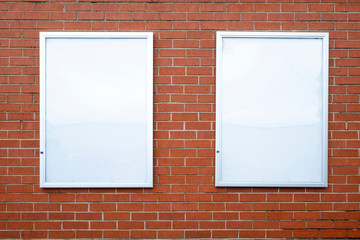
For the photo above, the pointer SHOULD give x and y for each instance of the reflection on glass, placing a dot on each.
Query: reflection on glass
(272, 110)
(96, 110)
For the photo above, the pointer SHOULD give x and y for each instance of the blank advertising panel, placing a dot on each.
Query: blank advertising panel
(271, 109)
(96, 108)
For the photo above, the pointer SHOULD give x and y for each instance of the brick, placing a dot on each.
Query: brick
(182, 152)
(227, 17)
(62, 197)
(103, 225)
(173, 16)
(61, 234)
(78, 6)
(171, 234)
(131, 25)
(188, 7)
(63, 16)
(61, 216)
(213, 25)
(172, 71)
(279, 234)
(279, 215)
(139, 16)
(132, 7)
(185, 224)
(321, 26)
(213, 225)
(116, 216)
(34, 216)
(321, 7)
(35, 16)
(117, 16)
(116, 234)
(159, 7)
(251, 234)
(186, 26)
(22, 7)
(182, 134)
(240, 26)
(20, 225)
(334, 17)
(293, 224)
(294, 8)
(211, 206)
(184, 188)
(159, 25)
(280, 16)
(294, 26)
(55, 25)
(89, 234)
(47, 225)
(131, 225)
(158, 225)
(184, 98)
(34, 234)
(198, 234)
(347, 8)
(171, 198)
(306, 197)
(199, 71)
(103, 207)
(88, 216)
(10, 15)
(238, 207)
(143, 234)
(267, 26)
(173, 34)
(307, 17)
(306, 233)
(200, 16)
(332, 233)
(77, 25)
(184, 202)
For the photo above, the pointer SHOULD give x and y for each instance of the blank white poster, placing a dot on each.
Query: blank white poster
(96, 110)
(272, 105)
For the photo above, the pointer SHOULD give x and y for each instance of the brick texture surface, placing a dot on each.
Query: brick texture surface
(184, 202)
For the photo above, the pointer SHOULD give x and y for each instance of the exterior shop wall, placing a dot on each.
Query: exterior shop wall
(184, 202)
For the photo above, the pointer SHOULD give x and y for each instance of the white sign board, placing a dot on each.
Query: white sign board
(96, 98)
(271, 109)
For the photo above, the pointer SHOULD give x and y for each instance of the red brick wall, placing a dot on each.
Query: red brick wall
(184, 201)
